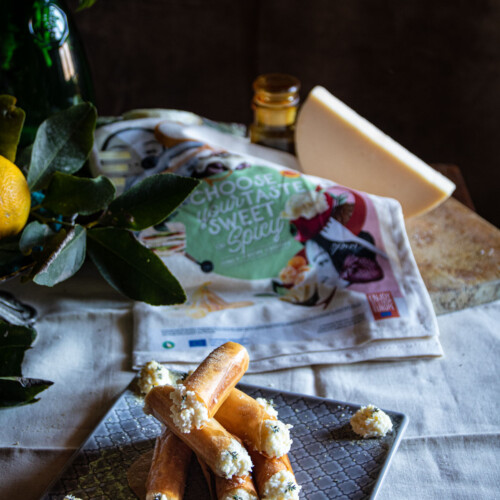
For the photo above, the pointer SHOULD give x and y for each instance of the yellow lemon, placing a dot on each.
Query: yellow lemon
(15, 200)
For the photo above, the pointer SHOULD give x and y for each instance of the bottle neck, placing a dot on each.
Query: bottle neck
(48, 25)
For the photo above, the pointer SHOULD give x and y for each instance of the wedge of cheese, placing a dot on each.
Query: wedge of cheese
(334, 142)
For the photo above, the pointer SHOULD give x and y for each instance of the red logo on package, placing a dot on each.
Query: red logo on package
(382, 305)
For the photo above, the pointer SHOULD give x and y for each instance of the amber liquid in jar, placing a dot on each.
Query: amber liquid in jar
(275, 104)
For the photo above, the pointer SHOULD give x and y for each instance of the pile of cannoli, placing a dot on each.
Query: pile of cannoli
(239, 441)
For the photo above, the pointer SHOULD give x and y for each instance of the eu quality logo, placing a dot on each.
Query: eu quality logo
(236, 222)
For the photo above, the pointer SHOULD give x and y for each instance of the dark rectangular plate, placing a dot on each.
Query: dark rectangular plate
(329, 460)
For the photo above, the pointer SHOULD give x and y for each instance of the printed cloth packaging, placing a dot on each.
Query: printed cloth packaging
(298, 269)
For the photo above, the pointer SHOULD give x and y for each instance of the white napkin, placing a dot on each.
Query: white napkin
(343, 288)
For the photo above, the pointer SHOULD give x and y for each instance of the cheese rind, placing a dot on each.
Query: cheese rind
(334, 142)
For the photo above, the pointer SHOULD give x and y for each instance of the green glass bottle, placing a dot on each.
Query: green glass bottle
(42, 62)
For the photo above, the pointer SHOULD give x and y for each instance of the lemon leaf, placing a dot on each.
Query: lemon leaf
(11, 125)
(148, 202)
(131, 268)
(12, 262)
(85, 4)
(19, 391)
(34, 236)
(62, 258)
(69, 195)
(16, 335)
(14, 340)
(62, 144)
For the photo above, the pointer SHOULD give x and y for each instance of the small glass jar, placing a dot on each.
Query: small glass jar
(275, 104)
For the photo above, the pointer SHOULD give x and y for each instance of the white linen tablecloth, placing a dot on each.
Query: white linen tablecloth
(450, 449)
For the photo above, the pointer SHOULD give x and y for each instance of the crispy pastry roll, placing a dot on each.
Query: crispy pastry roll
(255, 423)
(223, 453)
(153, 374)
(236, 488)
(169, 468)
(274, 477)
(209, 478)
(240, 488)
(198, 398)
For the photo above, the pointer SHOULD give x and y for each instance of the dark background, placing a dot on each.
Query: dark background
(426, 72)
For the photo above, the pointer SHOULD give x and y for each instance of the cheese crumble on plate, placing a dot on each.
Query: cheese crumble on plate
(370, 421)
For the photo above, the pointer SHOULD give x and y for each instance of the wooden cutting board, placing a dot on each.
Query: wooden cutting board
(458, 254)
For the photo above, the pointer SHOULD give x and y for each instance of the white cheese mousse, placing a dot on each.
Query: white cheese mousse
(159, 496)
(281, 486)
(234, 461)
(239, 494)
(187, 411)
(276, 440)
(370, 421)
(268, 407)
(153, 374)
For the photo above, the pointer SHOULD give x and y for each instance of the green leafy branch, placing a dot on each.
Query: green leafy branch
(73, 216)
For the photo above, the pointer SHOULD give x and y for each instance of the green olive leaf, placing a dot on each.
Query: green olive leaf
(148, 202)
(62, 144)
(11, 125)
(19, 391)
(68, 195)
(131, 268)
(62, 258)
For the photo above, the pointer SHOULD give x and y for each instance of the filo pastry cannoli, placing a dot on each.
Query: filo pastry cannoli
(153, 374)
(240, 488)
(236, 488)
(199, 397)
(169, 468)
(223, 453)
(274, 477)
(255, 423)
(209, 478)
